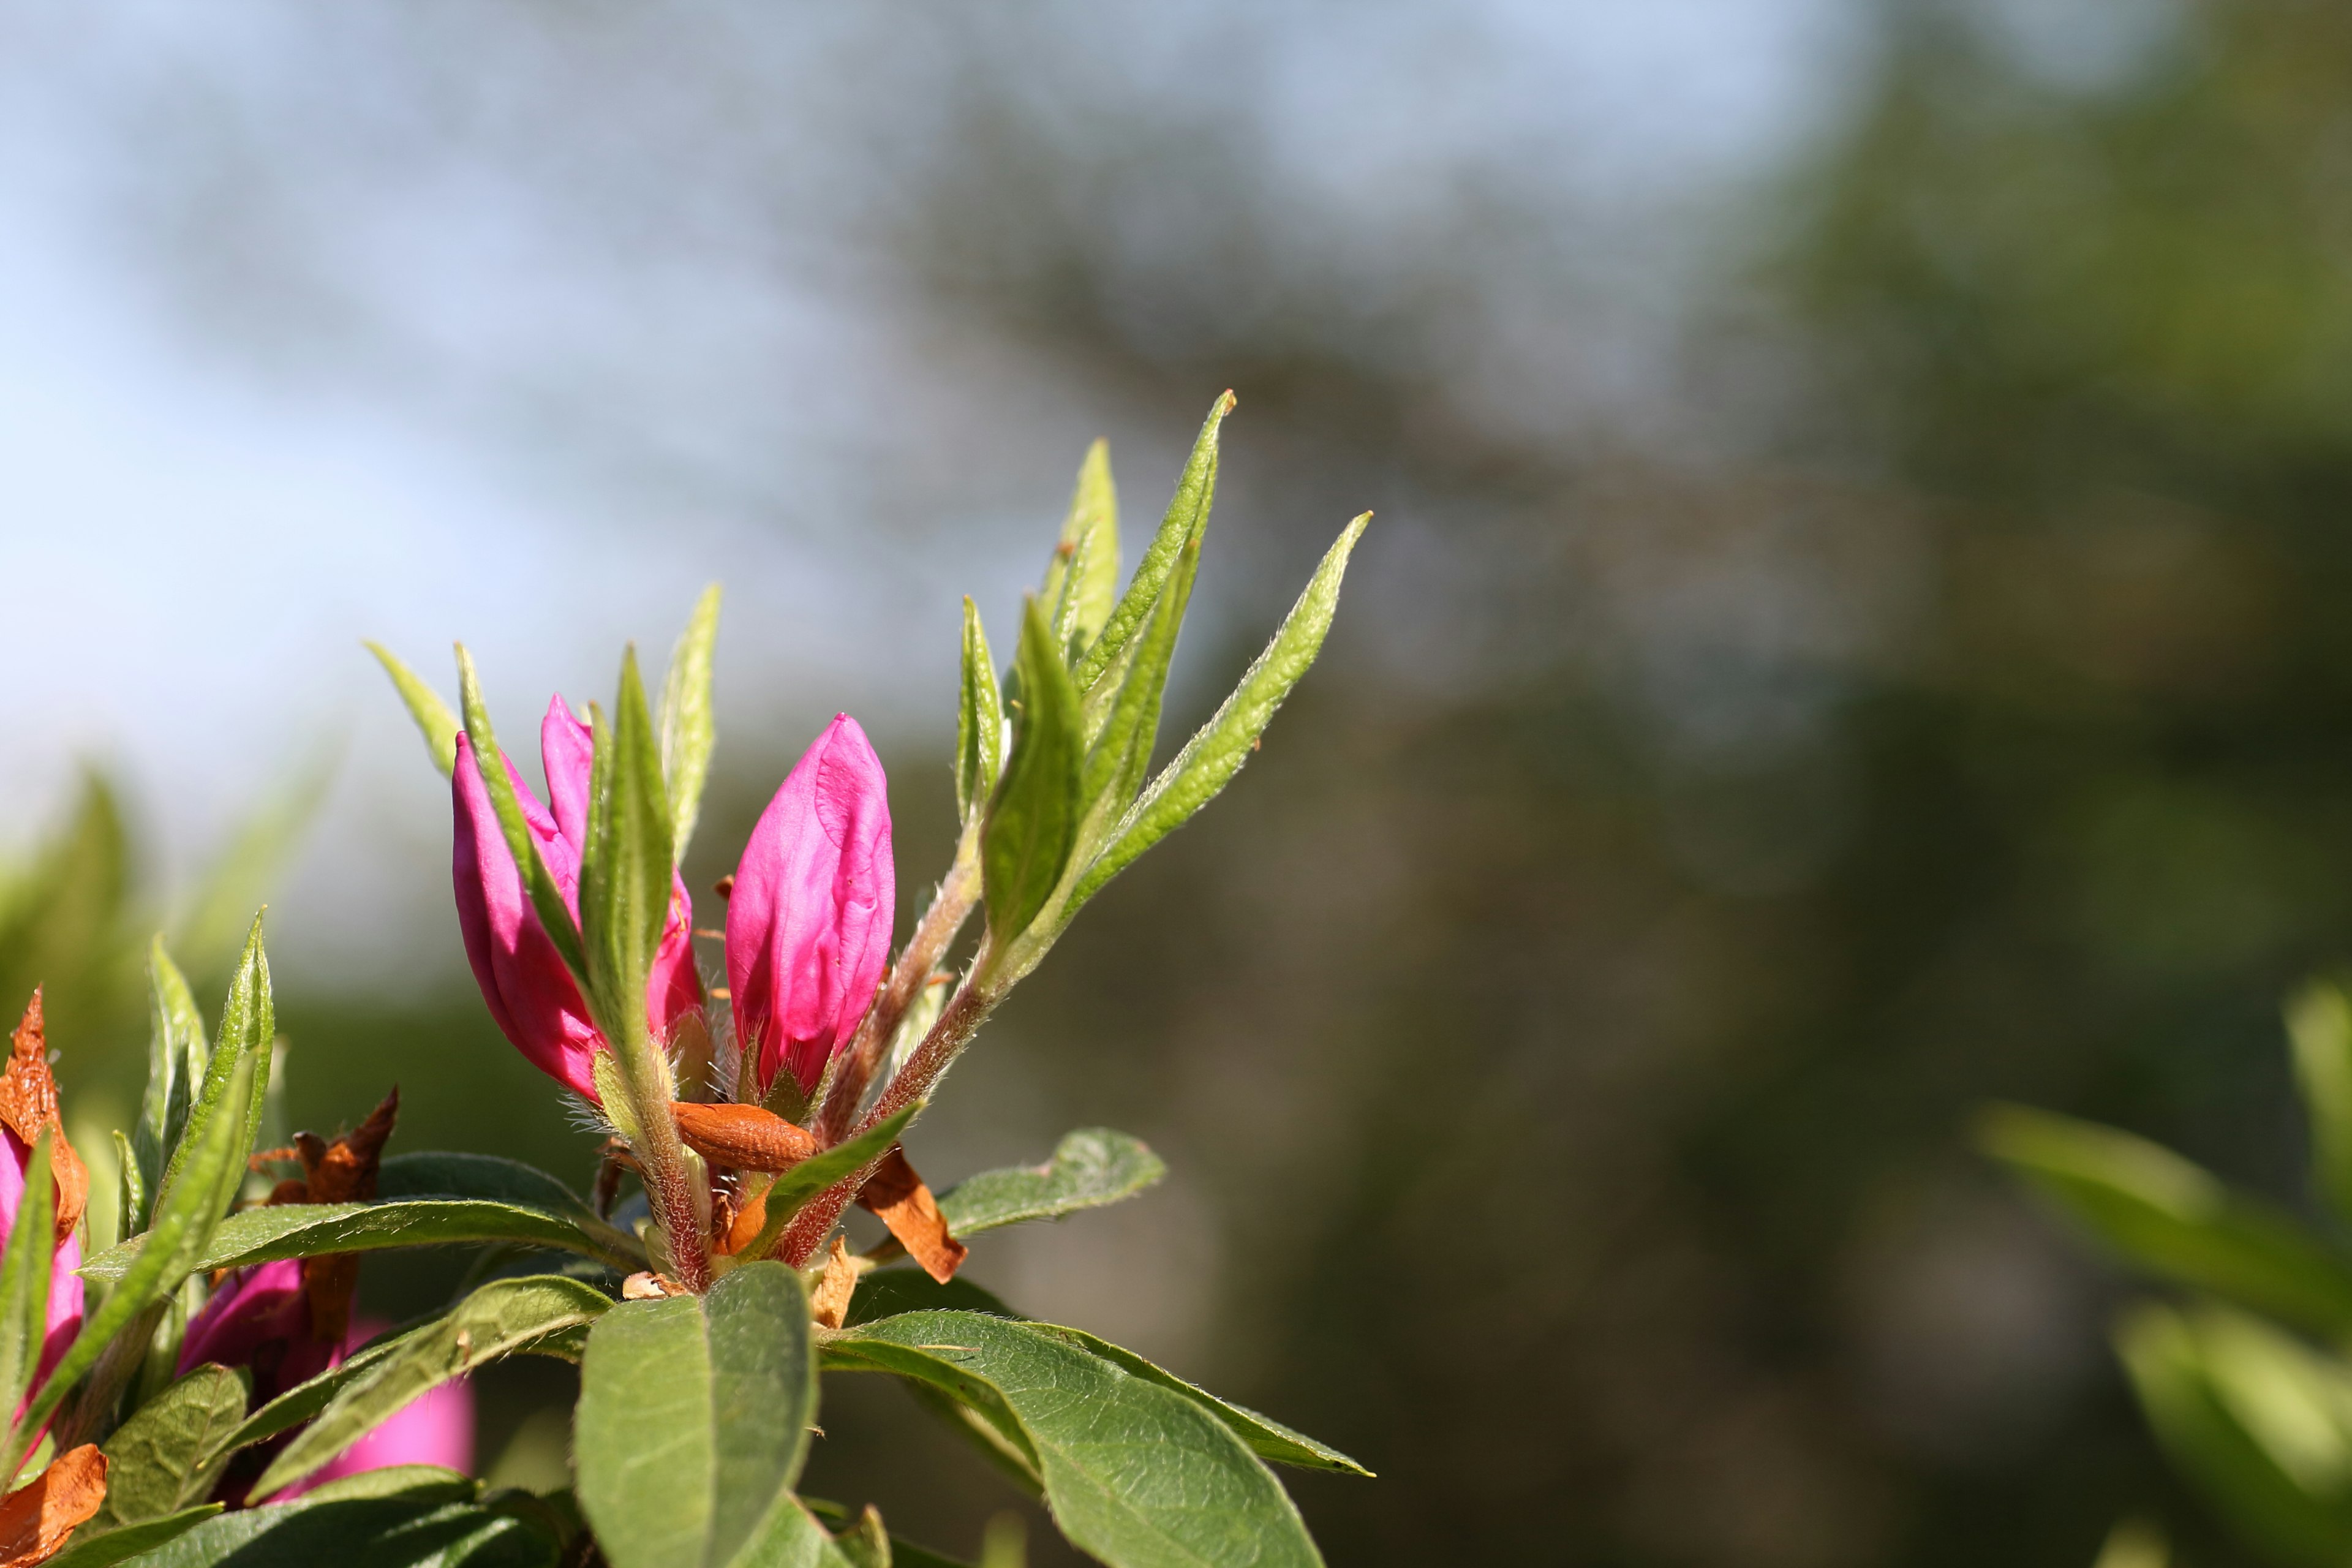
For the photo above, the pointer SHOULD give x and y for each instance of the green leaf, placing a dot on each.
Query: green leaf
(1090, 1167)
(2319, 1024)
(886, 1292)
(1219, 748)
(1135, 1474)
(2154, 1209)
(129, 1189)
(214, 1166)
(166, 1459)
(434, 720)
(176, 1062)
(794, 1188)
(508, 1317)
(84, 1550)
(1082, 581)
(1121, 711)
(904, 1554)
(1269, 1438)
(24, 1278)
(2261, 1423)
(313, 1230)
(625, 869)
(1195, 490)
(248, 1030)
(729, 1383)
(980, 720)
(686, 728)
(794, 1539)
(489, 762)
(446, 1173)
(363, 1526)
(1033, 820)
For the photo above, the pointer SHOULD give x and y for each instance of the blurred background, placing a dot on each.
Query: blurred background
(1854, 627)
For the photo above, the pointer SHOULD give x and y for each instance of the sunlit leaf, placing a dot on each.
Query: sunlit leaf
(315, 1230)
(687, 729)
(1090, 1167)
(1082, 583)
(980, 720)
(1195, 491)
(434, 720)
(166, 1458)
(1033, 820)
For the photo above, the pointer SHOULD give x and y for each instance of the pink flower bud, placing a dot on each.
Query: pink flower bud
(808, 922)
(529, 992)
(65, 1285)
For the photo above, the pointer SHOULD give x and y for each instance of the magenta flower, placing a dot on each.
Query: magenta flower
(808, 921)
(64, 1284)
(530, 994)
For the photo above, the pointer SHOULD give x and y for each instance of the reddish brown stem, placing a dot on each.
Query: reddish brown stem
(950, 907)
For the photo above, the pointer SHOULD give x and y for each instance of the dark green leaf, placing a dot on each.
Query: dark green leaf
(2320, 1023)
(434, 720)
(434, 1173)
(687, 727)
(1033, 821)
(886, 1292)
(625, 866)
(1268, 1438)
(419, 1527)
(85, 1549)
(794, 1188)
(1090, 1167)
(509, 1317)
(1219, 748)
(167, 1458)
(980, 720)
(904, 1554)
(546, 897)
(1082, 583)
(248, 1031)
(2261, 1424)
(1135, 1474)
(1195, 490)
(24, 1278)
(729, 1383)
(313, 1230)
(2163, 1214)
(176, 1062)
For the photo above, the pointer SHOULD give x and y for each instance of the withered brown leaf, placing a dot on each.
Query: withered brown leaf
(899, 1198)
(36, 1518)
(28, 1102)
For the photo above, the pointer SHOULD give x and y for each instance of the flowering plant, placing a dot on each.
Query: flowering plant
(203, 1390)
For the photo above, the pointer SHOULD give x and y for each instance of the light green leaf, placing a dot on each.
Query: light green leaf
(248, 1031)
(432, 1522)
(1219, 748)
(729, 1383)
(794, 1539)
(1090, 1167)
(313, 1230)
(2154, 1209)
(2320, 1023)
(1195, 491)
(508, 1317)
(980, 720)
(794, 1188)
(84, 1550)
(214, 1150)
(1122, 712)
(1082, 581)
(434, 720)
(24, 1278)
(1033, 820)
(130, 1191)
(1136, 1475)
(169, 1455)
(2261, 1424)
(489, 762)
(687, 727)
(904, 1554)
(625, 869)
(176, 1062)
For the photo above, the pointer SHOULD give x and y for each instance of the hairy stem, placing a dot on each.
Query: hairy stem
(950, 907)
(661, 1156)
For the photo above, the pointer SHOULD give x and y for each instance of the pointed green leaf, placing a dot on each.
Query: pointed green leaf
(167, 1458)
(2320, 1023)
(794, 1539)
(1136, 1475)
(1217, 751)
(507, 1317)
(442, 1173)
(1033, 821)
(489, 762)
(208, 1168)
(1195, 490)
(316, 1230)
(248, 1031)
(794, 1188)
(1123, 726)
(2262, 1425)
(129, 1189)
(176, 1062)
(1090, 1167)
(2155, 1210)
(688, 730)
(434, 720)
(625, 869)
(24, 1278)
(729, 1383)
(358, 1524)
(980, 720)
(85, 1549)
(1082, 581)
